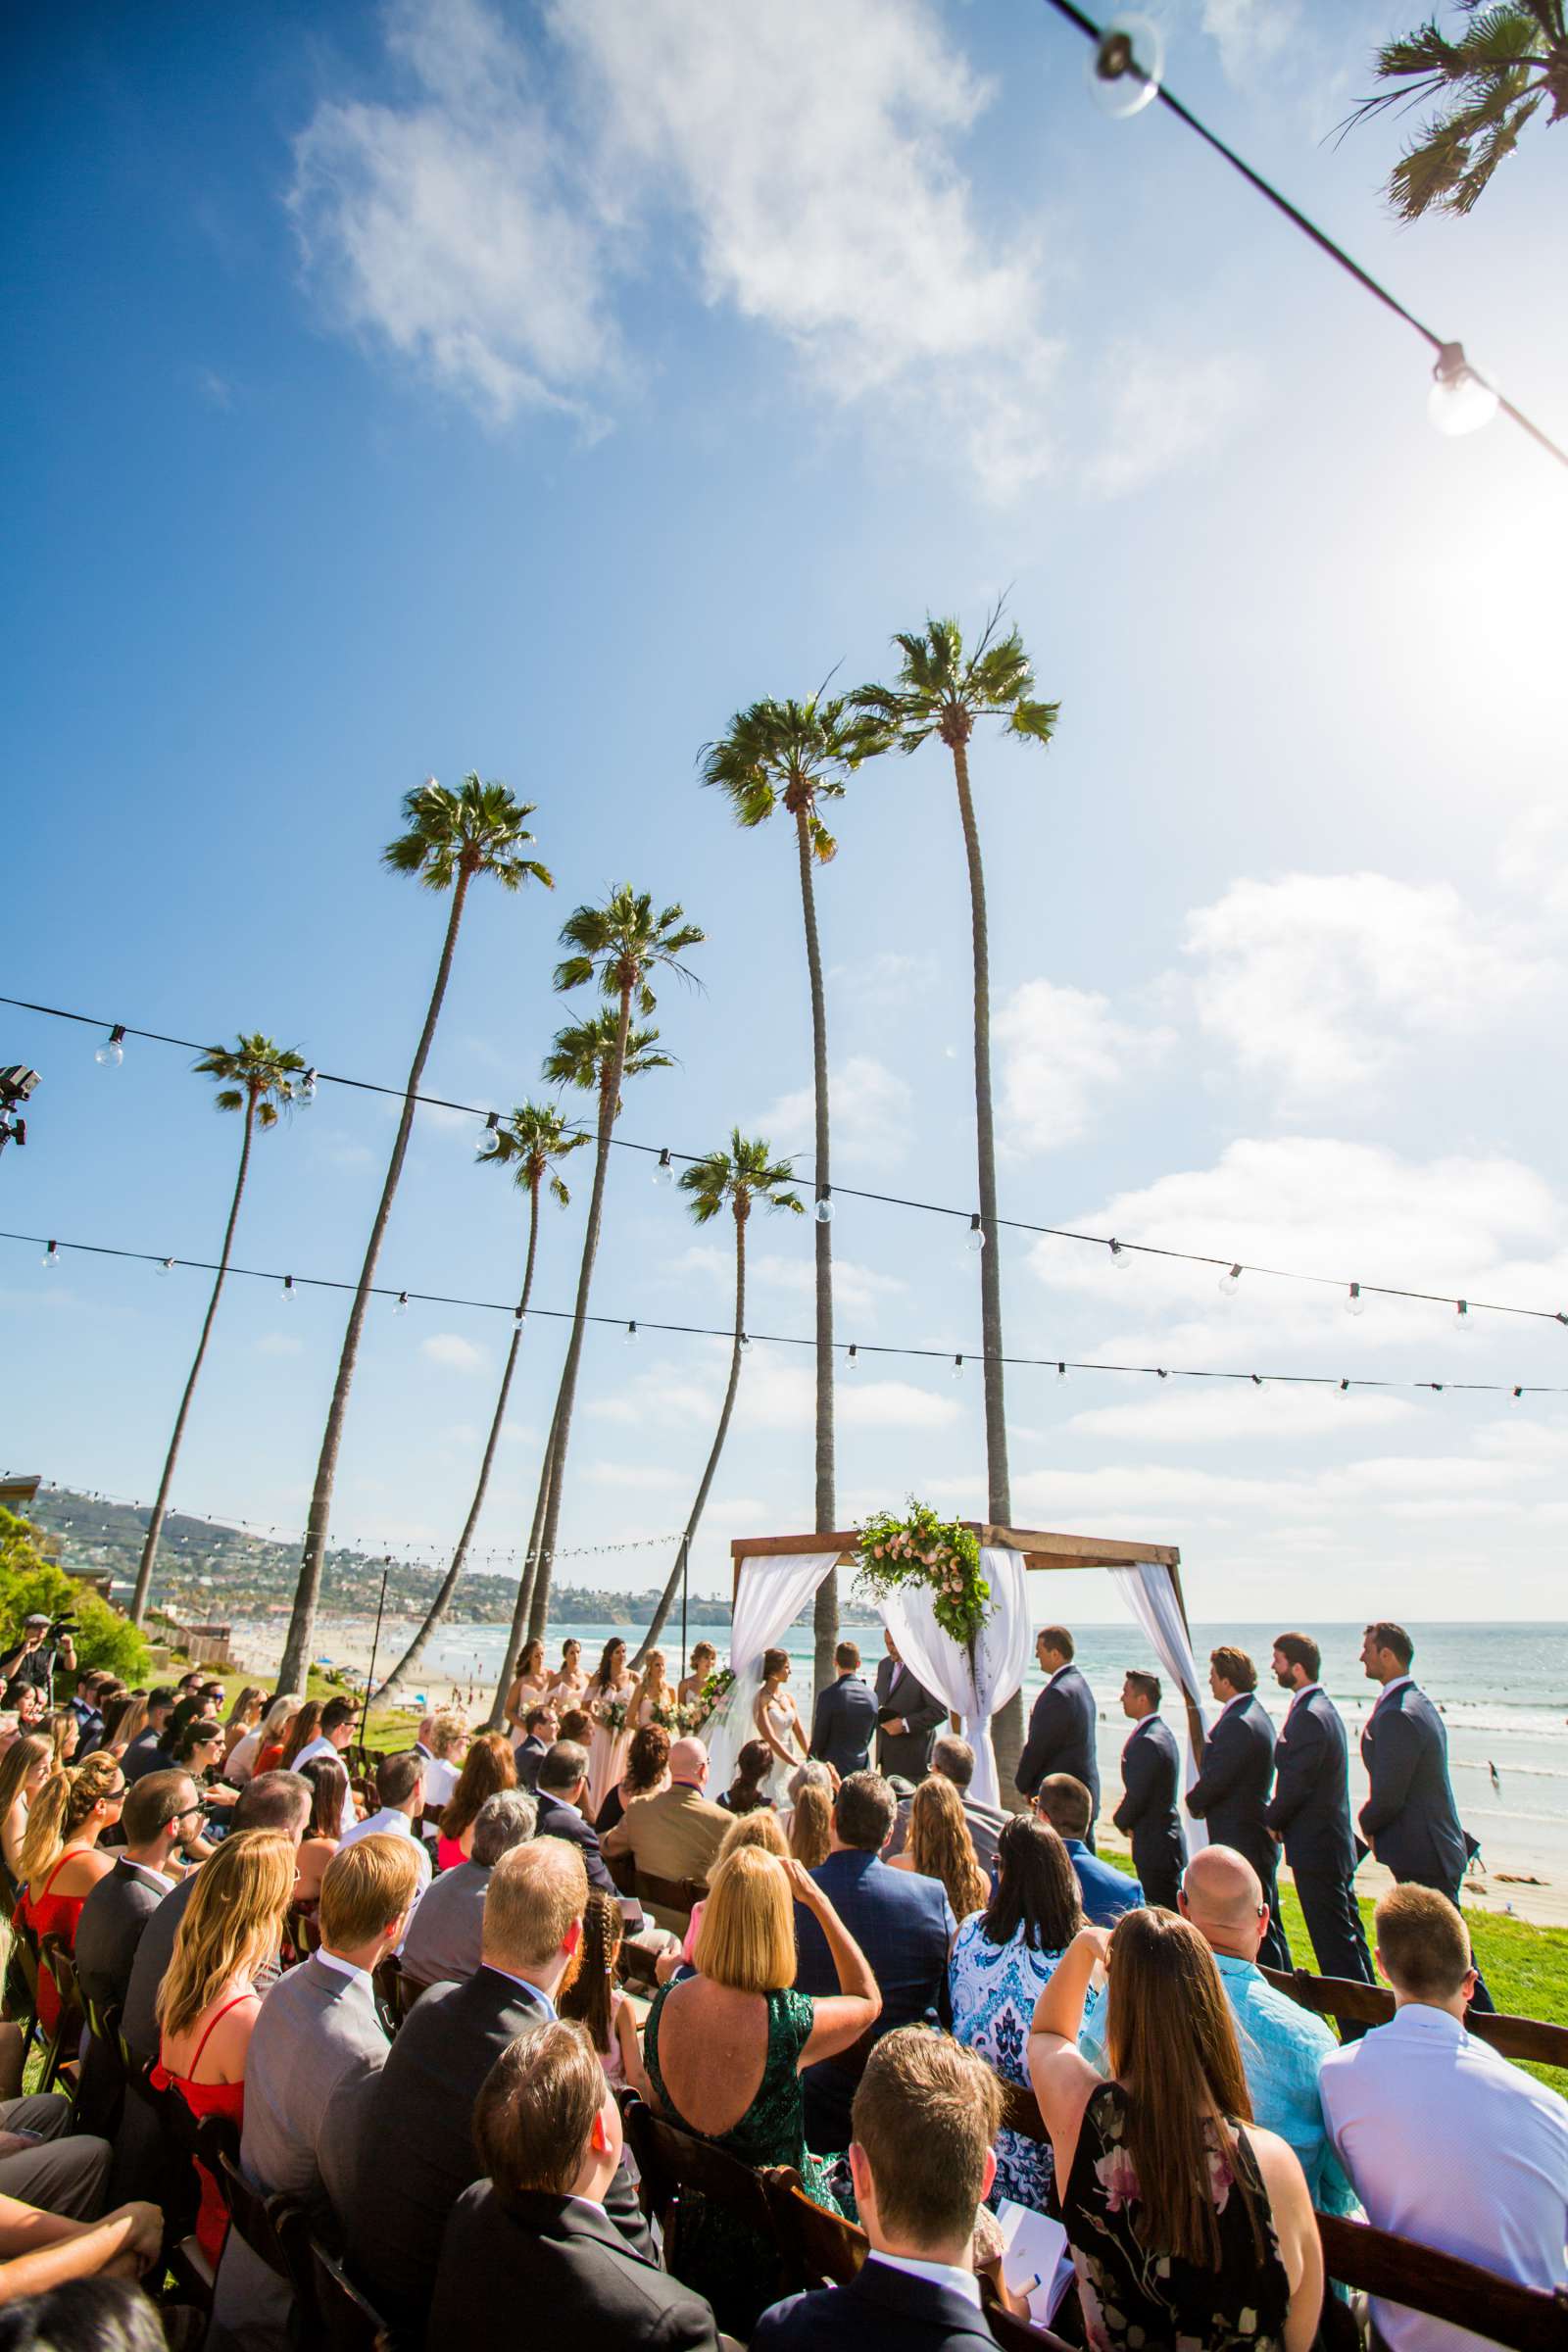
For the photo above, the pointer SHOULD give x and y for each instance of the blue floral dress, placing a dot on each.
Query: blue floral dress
(994, 1988)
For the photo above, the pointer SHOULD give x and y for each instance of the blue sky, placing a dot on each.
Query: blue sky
(410, 390)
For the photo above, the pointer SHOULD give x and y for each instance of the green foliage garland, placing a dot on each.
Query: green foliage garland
(923, 1550)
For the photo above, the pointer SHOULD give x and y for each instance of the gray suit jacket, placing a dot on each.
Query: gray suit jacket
(110, 1930)
(155, 1948)
(442, 1945)
(318, 2035)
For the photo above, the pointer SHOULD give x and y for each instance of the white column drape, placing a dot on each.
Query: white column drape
(1149, 1595)
(769, 1594)
(974, 1693)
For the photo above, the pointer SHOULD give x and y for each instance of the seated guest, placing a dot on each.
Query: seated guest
(146, 1751)
(576, 1725)
(925, 2115)
(161, 1814)
(940, 1846)
(725, 2049)
(41, 2254)
(24, 1769)
(844, 1719)
(1445, 2140)
(676, 1834)
(646, 1773)
(489, 1765)
(442, 1939)
(330, 1783)
(1282, 2045)
(61, 1863)
(242, 1718)
(596, 2002)
(318, 2035)
(208, 2001)
(952, 1759)
(811, 1819)
(398, 2150)
(199, 1750)
(322, 1731)
(1184, 2225)
(746, 1793)
(541, 1729)
(400, 1785)
(748, 1828)
(905, 1926)
(445, 1751)
(1002, 1960)
(561, 1785)
(1107, 1892)
(534, 2237)
(250, 1756)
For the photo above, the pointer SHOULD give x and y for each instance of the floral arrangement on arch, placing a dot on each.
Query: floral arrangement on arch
(922, 1549)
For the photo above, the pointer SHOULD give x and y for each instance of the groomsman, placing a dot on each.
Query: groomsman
(1061, 1724)
(1150, 1768)
(1231, 1791)
(908, 1717)
(1310, 1815)
(1410, 1820)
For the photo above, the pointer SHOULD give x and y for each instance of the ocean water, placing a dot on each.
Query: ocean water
(1503, 1688)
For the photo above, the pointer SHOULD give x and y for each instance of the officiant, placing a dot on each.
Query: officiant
(908, 1718)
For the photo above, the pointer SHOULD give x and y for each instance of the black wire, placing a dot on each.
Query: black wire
(781, 1339)
(850, 1192)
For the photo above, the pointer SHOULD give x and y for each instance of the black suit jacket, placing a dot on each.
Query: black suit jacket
(900, 1695)
(560, 1821)
(1151, 1770)
(1312, 1803)
(399, 2152)
(843, 1723)
(530, 1754)
(110, 1930)
(1231, 1791)
(1063, 1727)
(1410, 1818)
(880, 2310)
(555, 2267)
(155, 1948)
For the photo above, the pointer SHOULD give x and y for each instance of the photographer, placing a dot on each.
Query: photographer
(46, 1643)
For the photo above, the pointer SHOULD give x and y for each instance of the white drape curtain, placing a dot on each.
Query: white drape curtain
(769, 1594)
(1149, 1595)
(974, 1693)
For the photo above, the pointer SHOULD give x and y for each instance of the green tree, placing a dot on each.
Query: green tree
(528, 1141)
(451, 838)
(793, 756)
(257, 1078)
(1506, 63)
(32, 1579)
(941, 690)
(741, 1177)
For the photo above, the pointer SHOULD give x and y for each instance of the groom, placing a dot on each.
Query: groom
(908, 1717)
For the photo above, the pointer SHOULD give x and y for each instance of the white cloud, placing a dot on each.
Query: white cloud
(451, 1350)
(869, 1104)
(1251, 34)
(1181, 1415)
(638, 1475)
(1163, 407)
(860, 1289)
(1534, 857)
(1062, 1051)
(887, 980)
(280, 1343)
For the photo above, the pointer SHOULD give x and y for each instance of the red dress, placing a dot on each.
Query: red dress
(208, 2098)
(52, 1915)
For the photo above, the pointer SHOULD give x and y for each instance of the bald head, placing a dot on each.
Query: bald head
(688, 1761)
(1222, 1896)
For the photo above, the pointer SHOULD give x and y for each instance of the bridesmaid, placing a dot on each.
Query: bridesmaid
(778, 1721)
(654, 1699)
(704, 1659)
(568, 1687)
(530, 1686)
(607, 1750)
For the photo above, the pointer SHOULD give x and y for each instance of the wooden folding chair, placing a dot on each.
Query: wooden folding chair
(680, 2171)
(24, 1971)
(1525, 2039)
(822, 2246)
(406, 1991)
(679, 1896)
(55, 1960)
(345, 2321)
(276, 2228)
(1523, 2318)
(190, 2140)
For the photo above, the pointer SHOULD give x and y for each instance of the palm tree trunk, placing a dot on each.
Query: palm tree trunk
(155, 1524)
(402, 1671)
(825, 1612)
(1008, 1728)
(520, 1628)
(302, 1620)
(666, 1599)
(608, 1110)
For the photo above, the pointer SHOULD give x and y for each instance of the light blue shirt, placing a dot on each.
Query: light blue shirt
(1283, 2046)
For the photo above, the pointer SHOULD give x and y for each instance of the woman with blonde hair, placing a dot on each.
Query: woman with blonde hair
(243, 1717)
(653, 1701)
(123, 1718)
(1185, 2221)
(940, 1846)
(688, 1693)
(63, 1732)
(60, 1862)
(530, 1686)
(207, 2002)
(725, 2051)
(488, 1767)
(261, 1748)
(760, 1828)
(810, 1826)
(24, 1769)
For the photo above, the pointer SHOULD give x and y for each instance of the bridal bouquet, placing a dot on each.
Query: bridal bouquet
(715, 1685)
(612, 1714)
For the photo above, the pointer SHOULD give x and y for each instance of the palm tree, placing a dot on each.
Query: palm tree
(451, 838)
(941, 690)
(528, 1141)
(1487, 84)
(256, 1077)
(798, 753)
(744, 1175)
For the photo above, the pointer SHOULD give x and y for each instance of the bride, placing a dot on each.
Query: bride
(778, 1722)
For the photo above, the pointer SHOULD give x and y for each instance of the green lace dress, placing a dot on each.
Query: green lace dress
(720, 2257)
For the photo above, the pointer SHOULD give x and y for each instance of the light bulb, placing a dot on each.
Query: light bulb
(1464, 1321)
(825, 1206)
(51, 1257)
(1460, 401)
(1514, 1399)
(402, 1306)
(851, 1360)
(112, 1052)
(308, 1087)
(288, 1289)
(1061, 1371)
(1120, 1256)
(1160, 1372)
(631, 1335)
(976, 1239)
(1355, 1303)
(1231, 1283)
(1124, 72)
(958, 1367)
(165, 1265)
(492, 1129)
(1257, 1380)
(1344, 1388)
(746, 1342)
(665, 1168)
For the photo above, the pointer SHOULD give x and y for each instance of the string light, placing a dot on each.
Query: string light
(631, 1335)
(1258, 1382)
(308, 1089)
(1231, 1283)
(288, 1289)
(664, 1167)
(824, 1205)
(1355, 1303)
(958, 1367)
(1118, 1255)
(51, 1257)
(746, 1343)
(852, 1359)
(977, 1234)
(402, 1306)
(1464, 1321)
(1061, 1371)
(165, 1265)
(112, 1052)
(1125, 70)
(1461, 401)
(492, 1128)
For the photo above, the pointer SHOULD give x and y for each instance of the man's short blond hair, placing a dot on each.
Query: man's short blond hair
(1423, 1942)
(537, 1892)
(367, 1885)
(746, 1938)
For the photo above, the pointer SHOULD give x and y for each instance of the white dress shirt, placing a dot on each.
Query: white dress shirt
(440, 1779)
(345, 1968)
(318, 1746)
(390, 1822)
(1446, 2143)
(939, 2273)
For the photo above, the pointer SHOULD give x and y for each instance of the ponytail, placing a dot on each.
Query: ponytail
(44, 1839)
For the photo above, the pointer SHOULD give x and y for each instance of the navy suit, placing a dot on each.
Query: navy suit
(843, 1723)
(1230, 1795)
(1062, 1729)
(904, 1926)
(556, 1820)
(1410, 1817)
(529, 1754)
(1150, 1771)
(1106, 1891)
(901, 1696)
(880, 2310)
(1311, 1811)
